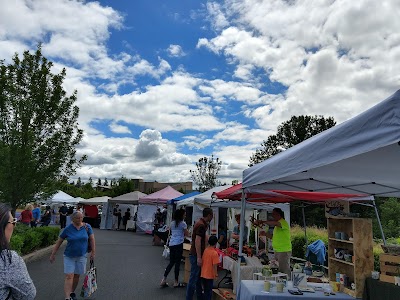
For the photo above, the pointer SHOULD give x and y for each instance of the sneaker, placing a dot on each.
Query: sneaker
(73, 296)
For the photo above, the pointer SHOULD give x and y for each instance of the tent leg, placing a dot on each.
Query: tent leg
(379, 222)
(304, 224)
(241, 238)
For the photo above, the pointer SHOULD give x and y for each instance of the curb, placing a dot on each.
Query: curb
(38, 254)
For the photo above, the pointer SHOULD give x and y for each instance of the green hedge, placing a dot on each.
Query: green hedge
(299, 241)
(26, 240)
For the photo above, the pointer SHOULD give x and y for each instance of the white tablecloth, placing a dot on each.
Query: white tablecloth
(254, 290)
(246, 272)
(130, 225)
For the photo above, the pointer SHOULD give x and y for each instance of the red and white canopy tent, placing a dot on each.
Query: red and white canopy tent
(357, 156)
(253, 196)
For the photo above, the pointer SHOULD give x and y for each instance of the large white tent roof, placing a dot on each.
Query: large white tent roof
(61, 197)
(358, 156)
(207, 196)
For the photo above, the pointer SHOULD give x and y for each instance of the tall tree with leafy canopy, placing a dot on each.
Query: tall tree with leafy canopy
(38, 129)
(205, 175)
(290, 133)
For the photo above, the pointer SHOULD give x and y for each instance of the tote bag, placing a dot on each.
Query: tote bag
(90, 282)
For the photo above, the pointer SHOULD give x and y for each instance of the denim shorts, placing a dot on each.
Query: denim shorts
(75, 265)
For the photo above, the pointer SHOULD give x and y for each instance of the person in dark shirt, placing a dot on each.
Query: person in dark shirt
(199, 238)
(46, 217)
(63, 215)
(127, 217)
(119, 216)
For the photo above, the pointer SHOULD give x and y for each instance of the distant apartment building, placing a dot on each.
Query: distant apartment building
(149, 187)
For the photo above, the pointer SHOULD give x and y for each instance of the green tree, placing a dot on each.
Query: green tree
(38, 129)
(105, 182)
(205, 175)
(290, 133)
(99, 182)
(78, 183)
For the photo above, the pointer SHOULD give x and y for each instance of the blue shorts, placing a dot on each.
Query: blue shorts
(75, 265)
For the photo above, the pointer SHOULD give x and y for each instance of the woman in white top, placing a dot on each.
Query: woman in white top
(178, 230)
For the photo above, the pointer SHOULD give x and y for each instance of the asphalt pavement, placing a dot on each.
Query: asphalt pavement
(128, 267)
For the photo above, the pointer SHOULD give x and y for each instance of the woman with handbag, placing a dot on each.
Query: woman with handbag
(178, 231)
(15, 282)
(79, 238)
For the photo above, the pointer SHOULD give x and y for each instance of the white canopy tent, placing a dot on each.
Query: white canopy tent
(61, 197)
(355, 157)
(207, 196)
(95, 201)
(125, 201)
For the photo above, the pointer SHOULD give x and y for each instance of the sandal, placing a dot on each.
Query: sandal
(180, 285)
(164, 285)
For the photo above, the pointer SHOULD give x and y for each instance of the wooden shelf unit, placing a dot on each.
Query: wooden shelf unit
(360, 247)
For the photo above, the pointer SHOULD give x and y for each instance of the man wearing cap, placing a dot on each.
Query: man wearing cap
(115, 217)
(63, 215)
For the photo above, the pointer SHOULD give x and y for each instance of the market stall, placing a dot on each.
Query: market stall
(91, 209)
(148, 206)
(354, 157)
(129, 200)
(264, 197)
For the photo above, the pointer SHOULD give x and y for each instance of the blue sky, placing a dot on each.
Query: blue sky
(163, 83)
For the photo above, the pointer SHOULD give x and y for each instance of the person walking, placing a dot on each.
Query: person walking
(36, 215)
(78, 235)
(26, 215)
(63, 211)
(178, 231)
(209, 270)
(199, 238)
(15, 282)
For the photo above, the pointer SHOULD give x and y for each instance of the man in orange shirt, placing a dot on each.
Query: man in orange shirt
(199, 240)
(209, 267)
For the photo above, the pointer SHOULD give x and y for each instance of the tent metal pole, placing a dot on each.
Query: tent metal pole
(241, 238)
(304, 223)
(379, 222)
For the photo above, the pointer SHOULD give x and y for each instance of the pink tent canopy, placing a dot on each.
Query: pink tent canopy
(160, 197)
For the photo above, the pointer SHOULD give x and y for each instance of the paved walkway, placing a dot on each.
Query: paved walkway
(128, 267)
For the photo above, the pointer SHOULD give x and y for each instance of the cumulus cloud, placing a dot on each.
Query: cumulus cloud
(175, 51)
(333, 62)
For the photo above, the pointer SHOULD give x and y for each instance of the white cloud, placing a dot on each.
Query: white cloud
(114, 127)
(175, 51)
(340, 59)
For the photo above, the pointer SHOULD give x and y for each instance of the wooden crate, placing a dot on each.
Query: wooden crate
(390, 267)
(220, 294)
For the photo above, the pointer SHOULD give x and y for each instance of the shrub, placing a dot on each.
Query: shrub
(299, 241)
(16, 243)
(50, 235)
(25, 240)
(32, 241)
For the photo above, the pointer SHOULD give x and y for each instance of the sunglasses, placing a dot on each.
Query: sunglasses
(14, 221)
